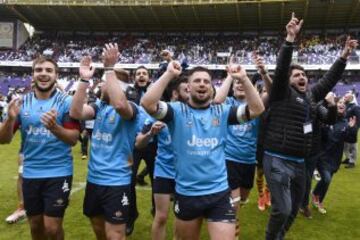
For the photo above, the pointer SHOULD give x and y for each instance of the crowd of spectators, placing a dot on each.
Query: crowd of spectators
(192, 48)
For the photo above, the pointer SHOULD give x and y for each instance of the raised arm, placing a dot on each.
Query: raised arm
(112, 86)
(254, 102)
(153, 95)
(327, 110)
(222, 92)
(281, 79)
(329, 80)
(265, 76)
(7, 127)
(79, 109)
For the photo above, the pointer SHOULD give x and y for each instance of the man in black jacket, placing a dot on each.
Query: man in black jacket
(148, 154)
(288, 134)
(352, 110)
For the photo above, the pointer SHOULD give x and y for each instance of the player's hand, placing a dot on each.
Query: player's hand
(330, 99)
(237, 72)
(14, 108)
(48, 119)
(293, 27)
(174, 68)
(110, 55)
(86, 71)
(156, 128)
(350, 45)
(259, 62)
(352, 121)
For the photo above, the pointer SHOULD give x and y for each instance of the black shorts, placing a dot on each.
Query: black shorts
(47, 196)
(215, 207)
(111, 202)
(163, 185)
(240, 174)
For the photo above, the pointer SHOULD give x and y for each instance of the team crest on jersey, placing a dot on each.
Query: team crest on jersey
(189, 123)
(112, 119)
(203, 120)
(215, 122)
(26, 114)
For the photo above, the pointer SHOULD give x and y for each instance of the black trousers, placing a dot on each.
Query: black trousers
(148, 155)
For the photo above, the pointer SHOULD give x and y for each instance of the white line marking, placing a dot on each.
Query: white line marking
(81, 185)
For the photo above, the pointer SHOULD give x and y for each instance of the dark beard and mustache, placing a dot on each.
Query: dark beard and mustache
(200, 101)
(37, 86)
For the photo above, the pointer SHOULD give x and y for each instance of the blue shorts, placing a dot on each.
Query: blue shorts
(215, 207)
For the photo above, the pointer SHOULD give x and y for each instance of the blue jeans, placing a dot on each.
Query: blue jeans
(323, 185)
(310, 165)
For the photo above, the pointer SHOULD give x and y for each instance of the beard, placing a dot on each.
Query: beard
(200, 101)
(183, 99)
(46, 89)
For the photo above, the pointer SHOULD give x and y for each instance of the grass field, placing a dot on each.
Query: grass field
(341, 222)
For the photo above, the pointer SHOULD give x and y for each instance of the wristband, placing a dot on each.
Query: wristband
(84, 81)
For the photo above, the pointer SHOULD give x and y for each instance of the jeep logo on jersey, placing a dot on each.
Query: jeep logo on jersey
(202, 142)
(106, 137)
(35, 131)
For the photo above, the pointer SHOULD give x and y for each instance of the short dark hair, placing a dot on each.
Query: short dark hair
(200, 69)
(141, 67)
(43, 59)
(174, 85)
(295, 66)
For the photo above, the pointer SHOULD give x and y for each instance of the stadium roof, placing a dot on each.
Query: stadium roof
(180, 15)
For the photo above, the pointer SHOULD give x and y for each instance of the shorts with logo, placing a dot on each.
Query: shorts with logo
(163, 185)
(111, 202)
(240, 174)
(47, 196)
(216, 207)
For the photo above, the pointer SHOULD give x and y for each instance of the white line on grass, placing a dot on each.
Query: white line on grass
(81, 185)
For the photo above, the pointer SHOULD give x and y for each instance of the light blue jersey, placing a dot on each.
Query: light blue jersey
(198, 137)
(164, 162)
(44, 154)
(242, 138)
(112, 144)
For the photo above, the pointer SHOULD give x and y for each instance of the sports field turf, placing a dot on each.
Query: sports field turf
(342, 222)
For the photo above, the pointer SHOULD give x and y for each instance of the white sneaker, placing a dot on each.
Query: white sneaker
(16, 216)
(316, 175)
(321, 208)
(243, 202)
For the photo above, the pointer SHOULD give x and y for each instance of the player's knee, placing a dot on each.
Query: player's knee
(99, 230)
(53, 230)
(115, 234)
(161, 217)
(36, 227)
